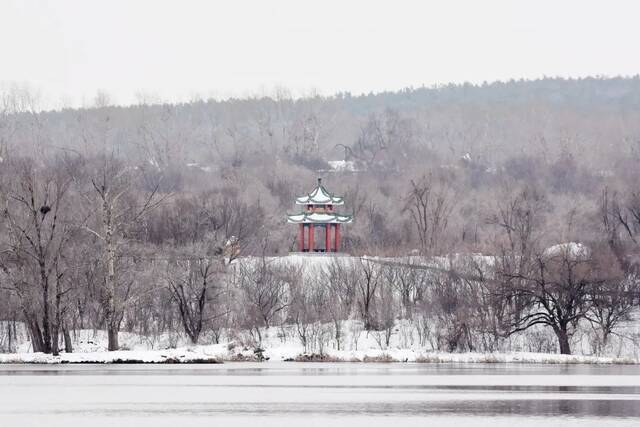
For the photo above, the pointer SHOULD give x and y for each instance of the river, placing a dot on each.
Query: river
(333, 395)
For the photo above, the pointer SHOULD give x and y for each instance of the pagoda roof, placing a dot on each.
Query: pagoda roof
(320, 196)
(319, 218)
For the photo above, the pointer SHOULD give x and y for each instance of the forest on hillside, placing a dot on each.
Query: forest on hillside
(127, 216)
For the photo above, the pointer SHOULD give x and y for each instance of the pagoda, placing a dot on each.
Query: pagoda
(319, 213)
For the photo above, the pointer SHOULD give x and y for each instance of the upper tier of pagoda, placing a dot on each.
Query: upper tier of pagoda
(319, 196)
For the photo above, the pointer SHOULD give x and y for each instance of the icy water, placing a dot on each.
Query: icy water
(333, 395)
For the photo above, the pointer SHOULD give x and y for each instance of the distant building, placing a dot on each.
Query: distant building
(319, 214)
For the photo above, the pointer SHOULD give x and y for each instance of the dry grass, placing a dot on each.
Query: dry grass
(314, 357)
(383, 358)
(241, 357)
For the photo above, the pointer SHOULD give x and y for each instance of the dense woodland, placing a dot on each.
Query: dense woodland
(143, 218)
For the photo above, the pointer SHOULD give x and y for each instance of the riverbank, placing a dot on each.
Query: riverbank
(228, 353)
(283, 344)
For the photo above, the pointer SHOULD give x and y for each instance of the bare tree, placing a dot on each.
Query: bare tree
(520, 217)
(450, 303)
(265, 292)
(620, 220)
(429, 204)
(39, 230)
(366, 286)
(559, 285)
(410, 282)
(195, 287)
(115, 207)
(340, 281)
(612, 301)
(308, 310)
(386, 309)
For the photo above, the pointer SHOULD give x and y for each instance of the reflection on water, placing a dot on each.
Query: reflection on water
(605, 408)
(304, 394)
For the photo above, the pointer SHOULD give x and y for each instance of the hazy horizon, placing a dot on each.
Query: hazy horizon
(69, 51)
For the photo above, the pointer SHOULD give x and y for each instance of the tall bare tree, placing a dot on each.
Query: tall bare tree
(39, 231)
(560, 285)
(116, 201)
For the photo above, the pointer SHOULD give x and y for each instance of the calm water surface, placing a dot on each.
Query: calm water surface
(292, 394)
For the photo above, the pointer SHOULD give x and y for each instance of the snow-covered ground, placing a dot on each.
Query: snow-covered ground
(279, 344)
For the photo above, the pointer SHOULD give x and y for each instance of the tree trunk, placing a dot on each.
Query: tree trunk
(9, 334)
(36, 336)
(46, 322)
(110, 302)
(68, 346)
(606, 332)
(563, 341)
(112, 331)
(193, 336)
(365, 309)
(55, 327)
(338, 334)
(55, 339)
(189, 325)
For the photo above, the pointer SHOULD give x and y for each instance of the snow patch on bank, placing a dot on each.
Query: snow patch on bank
(571, 250)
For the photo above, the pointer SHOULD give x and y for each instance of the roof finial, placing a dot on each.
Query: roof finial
(319, 182)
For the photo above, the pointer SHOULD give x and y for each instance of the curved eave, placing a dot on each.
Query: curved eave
(319, 196)
(314, 218)
(305, 200)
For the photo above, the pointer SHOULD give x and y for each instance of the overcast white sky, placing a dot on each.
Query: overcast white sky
(70, 49)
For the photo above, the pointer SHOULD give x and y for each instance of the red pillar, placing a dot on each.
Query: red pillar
(301, 238)
(311, 238)
(327, 237)
(333, 227)
(336, 243)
